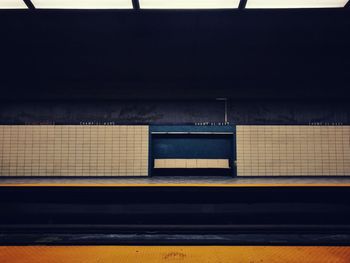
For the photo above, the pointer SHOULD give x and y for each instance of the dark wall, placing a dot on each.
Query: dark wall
(276, 66)
(240, 54)
(156, 112)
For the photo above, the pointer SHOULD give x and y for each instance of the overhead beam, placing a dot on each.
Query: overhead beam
(242, 4)
(29, 4)
(136, 4)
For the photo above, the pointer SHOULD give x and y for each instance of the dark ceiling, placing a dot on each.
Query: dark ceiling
(175, 54)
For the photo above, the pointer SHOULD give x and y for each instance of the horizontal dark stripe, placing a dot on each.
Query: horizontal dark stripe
(177, 239)
(175, 215)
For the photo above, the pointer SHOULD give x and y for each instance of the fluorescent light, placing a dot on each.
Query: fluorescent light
(188, 4)
(12, 4)
(82, 4)
(259, 4)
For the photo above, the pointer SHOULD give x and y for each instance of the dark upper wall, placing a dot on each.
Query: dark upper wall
(158, 112)
(188, 55)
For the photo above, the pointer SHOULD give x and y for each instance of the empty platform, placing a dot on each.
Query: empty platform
(223, 181)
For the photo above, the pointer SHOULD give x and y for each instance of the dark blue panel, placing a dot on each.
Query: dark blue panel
(192, 146)
(196, 142)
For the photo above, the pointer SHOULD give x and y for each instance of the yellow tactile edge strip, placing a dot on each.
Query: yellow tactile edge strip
(189, 254)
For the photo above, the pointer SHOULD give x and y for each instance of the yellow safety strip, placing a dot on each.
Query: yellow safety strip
(180, 254)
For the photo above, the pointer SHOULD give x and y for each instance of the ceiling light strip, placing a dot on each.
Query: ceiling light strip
(290, 4)
(189, 4)
(83, 4)
(12, 4)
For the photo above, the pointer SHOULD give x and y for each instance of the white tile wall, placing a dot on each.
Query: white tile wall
(293, 150)
(73, 150)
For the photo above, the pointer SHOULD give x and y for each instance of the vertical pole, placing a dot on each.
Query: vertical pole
(225, 100)
(225, 111)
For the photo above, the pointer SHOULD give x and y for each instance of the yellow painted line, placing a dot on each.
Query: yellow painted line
(169, 185)
(180, 254)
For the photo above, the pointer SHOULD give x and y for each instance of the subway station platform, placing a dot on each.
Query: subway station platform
(180, 181)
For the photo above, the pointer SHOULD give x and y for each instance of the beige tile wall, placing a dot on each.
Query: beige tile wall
(73, 150)
(293, 150)
(191, 163)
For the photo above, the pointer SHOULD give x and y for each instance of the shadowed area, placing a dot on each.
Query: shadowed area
(239, 54)
(175, 215)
